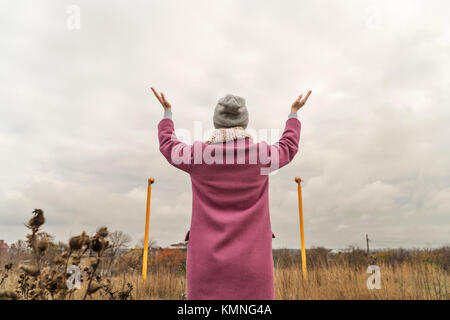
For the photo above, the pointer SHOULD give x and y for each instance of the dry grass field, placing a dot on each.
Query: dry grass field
(403, 282)
(34, 269)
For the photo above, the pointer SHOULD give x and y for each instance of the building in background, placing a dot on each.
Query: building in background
(3, 248)
(3, 245)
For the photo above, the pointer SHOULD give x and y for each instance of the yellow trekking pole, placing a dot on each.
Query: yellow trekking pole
(302, 235)
(147, 221)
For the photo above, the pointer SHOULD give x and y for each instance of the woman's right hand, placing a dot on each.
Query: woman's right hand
(299, 102)
(162, 99)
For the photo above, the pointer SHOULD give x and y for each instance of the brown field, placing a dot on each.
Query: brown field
(407, 280)
(34, 269)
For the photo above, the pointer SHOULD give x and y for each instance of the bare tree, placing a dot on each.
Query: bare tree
(19, 252)
(118, 241)
(152, 246)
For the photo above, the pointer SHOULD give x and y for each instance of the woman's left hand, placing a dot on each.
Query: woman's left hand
(162, 99)
(299, 102)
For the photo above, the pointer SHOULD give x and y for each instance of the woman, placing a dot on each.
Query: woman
(229, 254)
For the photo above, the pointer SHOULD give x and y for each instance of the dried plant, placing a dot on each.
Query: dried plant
(37, 220)
(97, 244)
(5, 274)
(124, 294)
(47, 277)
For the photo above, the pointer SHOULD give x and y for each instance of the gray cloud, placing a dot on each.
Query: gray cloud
(78, 123)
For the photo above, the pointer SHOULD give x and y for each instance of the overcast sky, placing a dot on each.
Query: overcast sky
(78, 123)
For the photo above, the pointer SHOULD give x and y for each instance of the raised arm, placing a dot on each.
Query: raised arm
(283, 151)
(176, 152)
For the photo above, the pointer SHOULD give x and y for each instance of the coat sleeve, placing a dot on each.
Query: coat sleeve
(176, 152)
(284, 151)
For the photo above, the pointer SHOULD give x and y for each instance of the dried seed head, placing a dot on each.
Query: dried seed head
(30, 270)
(76, 243)
(97, 245)
(102, 232)
(8, 266)
(42, 246)
(37, 220)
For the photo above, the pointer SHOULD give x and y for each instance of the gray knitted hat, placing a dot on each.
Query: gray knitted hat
(230, 112)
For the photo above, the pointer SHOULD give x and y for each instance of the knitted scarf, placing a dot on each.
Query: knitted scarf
(228, 134)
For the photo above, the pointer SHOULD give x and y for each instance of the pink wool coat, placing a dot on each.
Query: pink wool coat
(229, 253)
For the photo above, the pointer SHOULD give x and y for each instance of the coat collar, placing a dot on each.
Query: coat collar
(228, 134)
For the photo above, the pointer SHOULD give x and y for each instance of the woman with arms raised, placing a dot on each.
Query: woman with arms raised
(229, 255)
